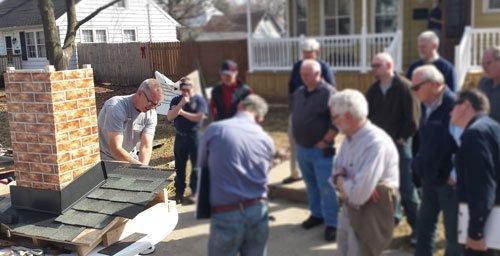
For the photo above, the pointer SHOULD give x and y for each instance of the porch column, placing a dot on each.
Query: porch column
(363, 37)
(249, 36)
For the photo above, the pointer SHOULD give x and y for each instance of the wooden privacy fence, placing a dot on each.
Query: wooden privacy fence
(131, 63)
(124, 64)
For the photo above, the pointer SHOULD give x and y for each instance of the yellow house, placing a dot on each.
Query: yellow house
(352, 31)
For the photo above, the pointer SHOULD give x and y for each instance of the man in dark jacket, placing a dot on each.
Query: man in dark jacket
(394, 109)
(478, 164)
(433, 161)
(228, 93)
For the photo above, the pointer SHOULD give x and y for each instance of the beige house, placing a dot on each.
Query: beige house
(352, 31)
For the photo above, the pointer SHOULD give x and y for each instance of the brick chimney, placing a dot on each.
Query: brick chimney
(53, 125)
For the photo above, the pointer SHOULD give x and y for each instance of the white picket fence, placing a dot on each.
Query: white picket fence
(469, 52)
(343, 53)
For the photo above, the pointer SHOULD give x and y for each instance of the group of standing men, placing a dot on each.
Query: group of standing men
(457, 158)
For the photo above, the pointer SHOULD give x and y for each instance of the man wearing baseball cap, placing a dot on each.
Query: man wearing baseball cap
(187, 111)
(228, 93)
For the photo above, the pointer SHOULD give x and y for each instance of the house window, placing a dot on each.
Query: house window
(35, 44)
(87, 36)
(491, 5)
(129, 35)
(301, 15)
(100, 36)
(386, 16)
(337, 17)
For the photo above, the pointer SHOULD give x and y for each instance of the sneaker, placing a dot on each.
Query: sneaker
(312, 222)
(290, 180)
(413, 239)
(178, 199)
(330, 233)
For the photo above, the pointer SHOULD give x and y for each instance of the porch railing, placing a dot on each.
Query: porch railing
(9, 61)
(343, 53)
(469, 52)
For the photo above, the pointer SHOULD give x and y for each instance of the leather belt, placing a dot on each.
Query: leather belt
(238, 206)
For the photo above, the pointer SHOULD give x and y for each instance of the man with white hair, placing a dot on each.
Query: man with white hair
(237, 154)
(310, 50)
(490, 83)
(314, 134)
(428, 44)
(366, 173)
(393, 108)
(433, 161)
(124, 121)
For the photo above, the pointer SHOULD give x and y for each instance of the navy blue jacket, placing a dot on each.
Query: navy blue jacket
(444, 66)
(433, 161)
(296, 81)
(478, 169)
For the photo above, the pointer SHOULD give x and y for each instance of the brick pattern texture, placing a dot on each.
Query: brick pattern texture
(53, 126)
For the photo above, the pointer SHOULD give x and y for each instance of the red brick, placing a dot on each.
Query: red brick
(45, 118)
(45, 186)
(20, 77)
(61, 86)
(78, 172)
(35, 177)
(43, 97)
(74, 74)
(40, 148)
(68, 146)
(23, 184)
(35, 108)
(51, 178)
(12, 87)
(67, 105)
(60, 117)
(80, 152)
(55, 76)
(41, 77)
(70, 166)
(27, 157)
(64, 157)
(89, 121)
(22, 167)
(42, 168)
(40, 128)
(93, 111)
(76, 114)
(89, 140)
(26, 137)
(22, 97)
(62, 137)
(91, 159)
(24, 117)
(67, 126)
(86, 103)
(17, 127)
(47, 139)
(20, 147)
(52, 159)
(15, 107)
(81, 132)
(95, 130)
(89, 73)
(76, 94)
(33, 87)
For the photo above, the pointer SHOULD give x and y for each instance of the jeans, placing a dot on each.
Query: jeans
(434, 199)
(410, 199)
(185, 147)
(316, 170)
(241, 231)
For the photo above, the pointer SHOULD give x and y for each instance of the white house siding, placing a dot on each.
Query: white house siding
(134, 16)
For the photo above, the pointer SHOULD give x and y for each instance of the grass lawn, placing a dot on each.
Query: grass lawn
(276, 124)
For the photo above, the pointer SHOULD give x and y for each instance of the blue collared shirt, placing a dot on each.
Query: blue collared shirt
(238, 154)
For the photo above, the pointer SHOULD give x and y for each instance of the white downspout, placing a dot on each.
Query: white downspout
(149, 23)
(363, 37)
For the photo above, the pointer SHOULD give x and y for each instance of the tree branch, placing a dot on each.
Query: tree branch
(90, 16)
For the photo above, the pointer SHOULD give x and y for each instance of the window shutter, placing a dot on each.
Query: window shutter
(24, 52)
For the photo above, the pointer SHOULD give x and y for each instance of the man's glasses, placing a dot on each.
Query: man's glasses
(417, 87)
(151, 104)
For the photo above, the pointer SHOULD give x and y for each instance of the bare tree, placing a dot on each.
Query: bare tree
(184, 10)
(59, 55)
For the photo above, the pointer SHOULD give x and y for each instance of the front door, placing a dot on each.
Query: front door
(8, 47)
(456, 16)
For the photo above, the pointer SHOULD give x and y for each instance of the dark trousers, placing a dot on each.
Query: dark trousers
(436, 198)
(185, 147)
(468, 252)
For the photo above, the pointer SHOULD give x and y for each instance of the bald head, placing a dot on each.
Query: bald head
(310, 72)
(383, 66)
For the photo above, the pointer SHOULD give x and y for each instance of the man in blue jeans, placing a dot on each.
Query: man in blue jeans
(433, 161)
(314, 135)
(394, 109)
(238, 154)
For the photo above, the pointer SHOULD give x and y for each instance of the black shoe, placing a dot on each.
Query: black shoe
(188, 201)
(290, 180)
(179, 199)
(312, 222)
(330, 233)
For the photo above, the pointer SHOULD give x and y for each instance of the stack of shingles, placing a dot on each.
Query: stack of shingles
(125, 193)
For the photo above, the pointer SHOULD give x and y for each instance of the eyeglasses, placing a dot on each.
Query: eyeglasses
(151, 104)
(416, 87)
